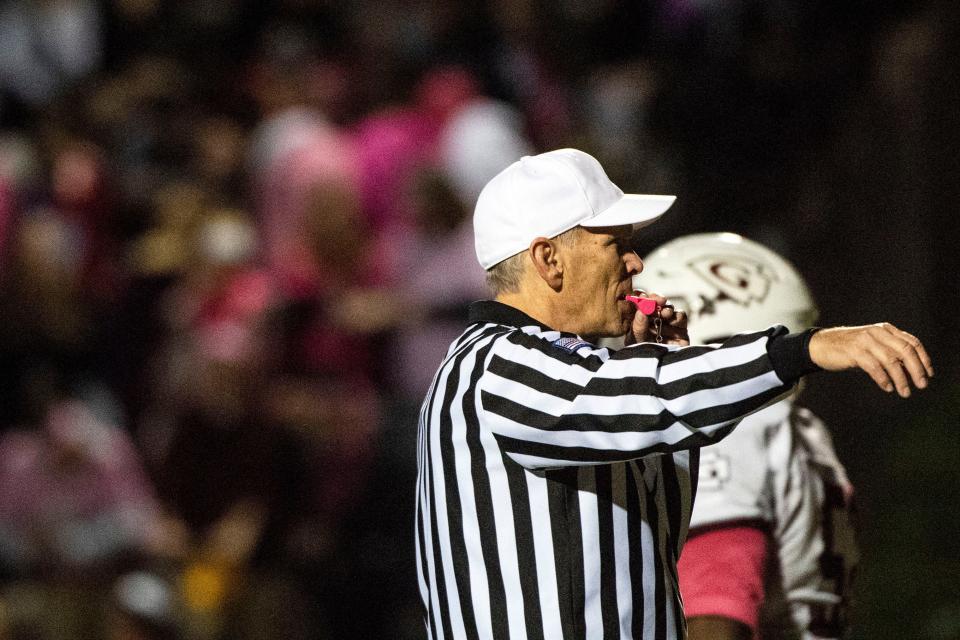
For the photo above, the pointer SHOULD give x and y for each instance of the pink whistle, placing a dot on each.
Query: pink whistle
(646, 306)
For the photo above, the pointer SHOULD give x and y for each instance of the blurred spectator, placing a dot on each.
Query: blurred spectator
(298, 157)
(47, 46)
(330, 343)
(260, 433)
(46, 316)
(392, 146)
(75, 507)
(218, 155)
(144, 115)
(232, 484)
(19, 175)
(616, 106)
(143, 607)
(73, 494)
(290, 69)
(80, 193)
(395, 143)
(440, 271)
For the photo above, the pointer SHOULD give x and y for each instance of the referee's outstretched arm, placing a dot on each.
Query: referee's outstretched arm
(551, 408)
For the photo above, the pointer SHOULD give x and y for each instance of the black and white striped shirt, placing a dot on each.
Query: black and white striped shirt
(554, 486)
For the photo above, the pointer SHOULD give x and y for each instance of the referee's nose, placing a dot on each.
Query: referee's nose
(633, 262)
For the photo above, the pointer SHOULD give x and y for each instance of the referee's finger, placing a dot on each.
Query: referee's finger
(906, 353)
(868, 363)
(913, 364)
(678, 319)
(889, 359)
(917, 346)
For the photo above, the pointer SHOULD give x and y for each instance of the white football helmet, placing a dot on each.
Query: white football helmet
(727, 284)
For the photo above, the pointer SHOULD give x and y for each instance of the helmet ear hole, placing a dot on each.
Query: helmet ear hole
(728, 285)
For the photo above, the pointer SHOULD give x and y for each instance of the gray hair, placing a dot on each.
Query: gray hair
(505, 276)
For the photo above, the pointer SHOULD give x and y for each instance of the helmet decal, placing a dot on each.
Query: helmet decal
(739, 278)
(728, 284)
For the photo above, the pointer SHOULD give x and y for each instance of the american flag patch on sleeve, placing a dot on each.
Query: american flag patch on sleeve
(570, 344)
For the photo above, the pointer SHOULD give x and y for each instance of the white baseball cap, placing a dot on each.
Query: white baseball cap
(547, 194)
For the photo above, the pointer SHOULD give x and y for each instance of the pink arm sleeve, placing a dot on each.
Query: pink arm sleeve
(721, 574)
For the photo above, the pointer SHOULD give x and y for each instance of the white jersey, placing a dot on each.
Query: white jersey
(778, 469)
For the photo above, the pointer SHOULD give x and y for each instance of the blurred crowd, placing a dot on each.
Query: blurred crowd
(235, 242)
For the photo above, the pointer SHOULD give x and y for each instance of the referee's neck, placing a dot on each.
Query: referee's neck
(541, 308)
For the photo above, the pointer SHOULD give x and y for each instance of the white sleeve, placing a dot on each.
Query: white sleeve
(813, 531)
(553, 400)
(733, 486)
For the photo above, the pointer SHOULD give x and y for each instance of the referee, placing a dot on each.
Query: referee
(554, 486)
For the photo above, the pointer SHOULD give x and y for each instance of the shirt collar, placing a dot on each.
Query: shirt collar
(499, 313)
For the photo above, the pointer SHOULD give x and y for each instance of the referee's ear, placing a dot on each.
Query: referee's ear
(545, 258)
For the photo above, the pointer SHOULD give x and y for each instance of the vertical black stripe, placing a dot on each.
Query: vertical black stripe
(678, 615)
(694, 472)
(565, 530)
(608, 560)
(674, 502)
(423, 563)
(438, 558)
(428, 606)
(458, 548)
(659, 592)
(577, 580)
(675, 513)
(438, 585)
(428, 613)
(526, 556)
(483, 496)
(694, 478)
(634, 535)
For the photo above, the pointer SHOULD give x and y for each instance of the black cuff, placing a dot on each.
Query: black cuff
(790, 355)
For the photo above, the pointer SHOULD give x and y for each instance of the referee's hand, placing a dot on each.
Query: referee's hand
(893, 358)
(672, 329)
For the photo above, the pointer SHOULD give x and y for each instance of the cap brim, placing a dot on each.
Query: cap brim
(633, 208)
